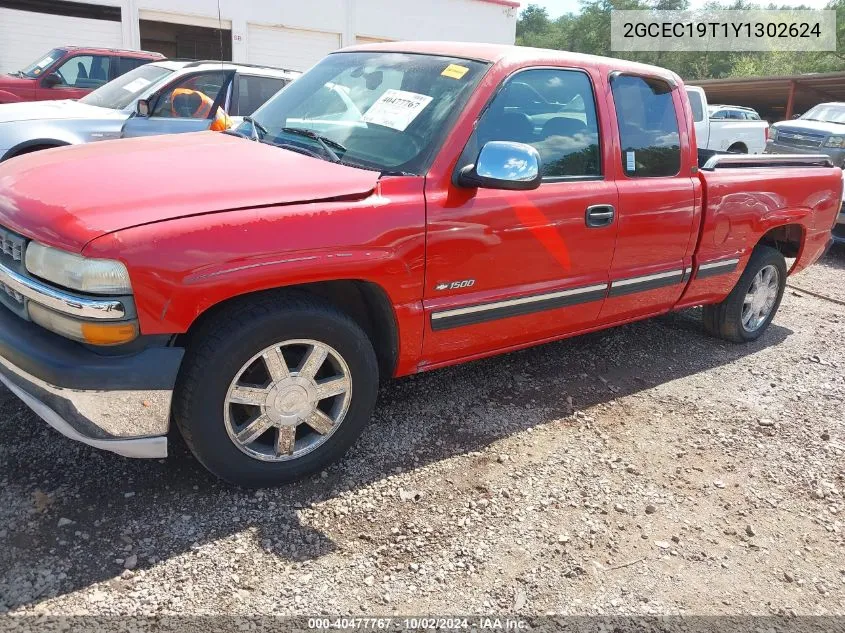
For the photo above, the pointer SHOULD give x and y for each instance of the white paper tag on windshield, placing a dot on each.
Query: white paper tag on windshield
(632, 164)
(137, 84)
(45, 62)
(397, 109)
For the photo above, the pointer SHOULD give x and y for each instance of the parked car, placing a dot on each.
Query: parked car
(255, 285)
(725, 128)
(237, 89)
(70, 72)
(28, 127)
(820, 130)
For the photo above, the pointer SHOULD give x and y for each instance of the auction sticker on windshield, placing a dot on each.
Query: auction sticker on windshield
(397, 109)
(136, 84)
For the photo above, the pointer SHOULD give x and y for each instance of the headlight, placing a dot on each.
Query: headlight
(95, 276)
(835, 141)
(773, 134)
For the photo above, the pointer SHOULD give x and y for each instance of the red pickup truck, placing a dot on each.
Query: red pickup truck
(70, 72)
(399, 208)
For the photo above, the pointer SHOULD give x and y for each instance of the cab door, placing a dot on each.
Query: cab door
(178, 107)
(658, 211)
(509, 268)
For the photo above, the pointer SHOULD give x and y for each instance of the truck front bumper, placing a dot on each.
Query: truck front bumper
(119, 403)
(837, 155)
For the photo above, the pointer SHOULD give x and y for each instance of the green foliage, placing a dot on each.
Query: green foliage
(589, 32)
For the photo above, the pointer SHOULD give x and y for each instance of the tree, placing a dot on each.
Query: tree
(588, 31)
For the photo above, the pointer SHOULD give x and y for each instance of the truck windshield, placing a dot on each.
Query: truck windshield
(832, 113)
(375, 110)
(119, 93)
(36, 68)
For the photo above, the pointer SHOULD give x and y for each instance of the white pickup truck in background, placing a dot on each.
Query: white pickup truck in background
(726, 128)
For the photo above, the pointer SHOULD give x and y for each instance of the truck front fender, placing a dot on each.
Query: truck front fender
(182, 268)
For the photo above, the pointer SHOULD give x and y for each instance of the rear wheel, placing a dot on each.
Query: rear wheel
(750, 307)
(275, 389)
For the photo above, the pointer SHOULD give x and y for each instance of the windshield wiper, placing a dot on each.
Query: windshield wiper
(324, 141)
(256, 128)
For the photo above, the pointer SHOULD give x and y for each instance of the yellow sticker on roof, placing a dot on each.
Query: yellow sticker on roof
(454, 71)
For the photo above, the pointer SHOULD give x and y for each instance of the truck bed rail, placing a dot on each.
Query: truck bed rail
(766, 160)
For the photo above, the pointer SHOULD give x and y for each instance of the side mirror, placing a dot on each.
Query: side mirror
(142, 108)
(51, 80)
(503, 165)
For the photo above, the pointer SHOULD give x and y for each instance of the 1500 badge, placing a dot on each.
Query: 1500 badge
(455, 285)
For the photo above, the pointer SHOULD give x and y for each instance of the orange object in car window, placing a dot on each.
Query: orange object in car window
(187, 103)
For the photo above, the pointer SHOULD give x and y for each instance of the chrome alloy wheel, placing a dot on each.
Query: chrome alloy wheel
(287, 400)
(761, 298)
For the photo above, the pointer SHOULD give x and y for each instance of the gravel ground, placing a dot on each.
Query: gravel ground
(642, 470)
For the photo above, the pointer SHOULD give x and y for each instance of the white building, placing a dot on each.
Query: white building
(291, 34)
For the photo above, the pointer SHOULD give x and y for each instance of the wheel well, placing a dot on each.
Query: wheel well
(28, 148)
(787, 239)
(366, 303)
(739, 147)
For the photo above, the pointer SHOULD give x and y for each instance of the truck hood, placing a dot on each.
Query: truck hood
(68, 196)
(52, 110)
(811, 126)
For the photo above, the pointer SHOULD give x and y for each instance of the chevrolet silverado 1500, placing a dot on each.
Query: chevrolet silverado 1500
(400, 208)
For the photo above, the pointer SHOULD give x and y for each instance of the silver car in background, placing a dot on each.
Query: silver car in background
(31, 126)
(234, 89)
(111, 111)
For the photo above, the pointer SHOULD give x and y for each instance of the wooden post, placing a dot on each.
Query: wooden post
(790, 100)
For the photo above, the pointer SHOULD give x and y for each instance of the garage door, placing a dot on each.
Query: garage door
(292, 49)
(362, 39)
(26, 36)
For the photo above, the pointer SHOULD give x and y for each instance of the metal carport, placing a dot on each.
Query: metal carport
(776, 98)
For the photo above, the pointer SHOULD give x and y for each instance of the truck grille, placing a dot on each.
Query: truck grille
(11, 245)
(800, 138)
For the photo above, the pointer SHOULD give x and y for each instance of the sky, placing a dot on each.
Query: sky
(557, 8)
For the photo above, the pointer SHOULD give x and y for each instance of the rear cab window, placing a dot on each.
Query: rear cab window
(254, 91)
(648, 126)
(697, 105)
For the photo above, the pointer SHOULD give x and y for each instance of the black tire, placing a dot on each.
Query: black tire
(737, 148)
(724, 320)
(219, 349)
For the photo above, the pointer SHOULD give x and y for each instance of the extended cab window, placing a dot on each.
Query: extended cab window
(648, 126)
(551, 110)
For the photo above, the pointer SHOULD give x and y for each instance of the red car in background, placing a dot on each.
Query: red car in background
(70, 72)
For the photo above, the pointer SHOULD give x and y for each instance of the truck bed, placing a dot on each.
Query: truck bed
(744, 198)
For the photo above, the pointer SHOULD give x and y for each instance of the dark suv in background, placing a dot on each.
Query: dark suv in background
(70, 72)
(820, 130)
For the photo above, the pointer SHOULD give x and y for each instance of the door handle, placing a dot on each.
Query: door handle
(599, 215)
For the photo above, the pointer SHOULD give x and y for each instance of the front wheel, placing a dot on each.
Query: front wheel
(275, 389)
(750, 307)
